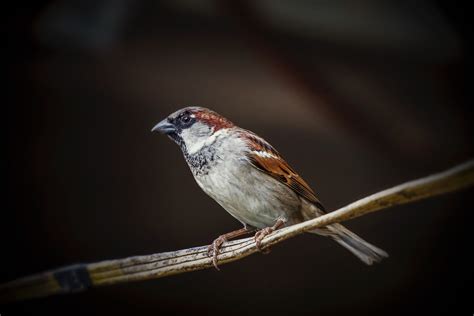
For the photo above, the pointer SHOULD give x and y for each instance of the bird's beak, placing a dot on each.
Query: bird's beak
(164, 127)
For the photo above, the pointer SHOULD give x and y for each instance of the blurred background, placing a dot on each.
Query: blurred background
(358, 96)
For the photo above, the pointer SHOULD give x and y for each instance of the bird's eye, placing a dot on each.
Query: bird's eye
(185, 118)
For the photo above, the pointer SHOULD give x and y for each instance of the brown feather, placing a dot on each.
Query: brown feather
(270, 162)
(212, 119)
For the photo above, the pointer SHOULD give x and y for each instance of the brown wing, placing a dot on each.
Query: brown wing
(266, 159)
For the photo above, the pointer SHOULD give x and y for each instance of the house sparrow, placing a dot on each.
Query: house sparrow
(250, 180)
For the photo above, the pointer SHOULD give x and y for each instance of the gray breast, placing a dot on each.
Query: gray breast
(246, 193)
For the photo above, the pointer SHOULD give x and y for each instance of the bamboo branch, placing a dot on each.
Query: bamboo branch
(82, 276)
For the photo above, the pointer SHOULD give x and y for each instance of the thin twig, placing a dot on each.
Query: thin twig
(82, 276)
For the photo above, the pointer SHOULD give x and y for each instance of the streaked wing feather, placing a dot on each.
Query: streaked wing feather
(265, 158)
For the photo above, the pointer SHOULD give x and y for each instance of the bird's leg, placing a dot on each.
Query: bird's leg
(265, 232)
(217, 243)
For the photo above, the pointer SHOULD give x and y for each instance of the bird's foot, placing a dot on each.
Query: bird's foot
(214, 249)
(262, 233)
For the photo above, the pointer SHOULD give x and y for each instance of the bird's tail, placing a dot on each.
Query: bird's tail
(363, 250)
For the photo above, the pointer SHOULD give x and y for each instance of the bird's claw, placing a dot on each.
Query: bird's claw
(214, 249)
(260, 235)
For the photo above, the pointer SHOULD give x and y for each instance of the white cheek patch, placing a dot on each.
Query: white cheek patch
(194, 141)
(195, 147)
(264, 154)
(199, 136)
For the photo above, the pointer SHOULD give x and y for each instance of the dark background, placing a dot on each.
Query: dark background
(358, 96)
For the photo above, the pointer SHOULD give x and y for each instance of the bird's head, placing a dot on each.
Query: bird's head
(192, 127)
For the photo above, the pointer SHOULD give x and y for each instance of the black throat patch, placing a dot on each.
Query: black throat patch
(202, 161)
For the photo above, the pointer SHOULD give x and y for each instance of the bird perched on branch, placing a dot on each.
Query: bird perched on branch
(250, 180)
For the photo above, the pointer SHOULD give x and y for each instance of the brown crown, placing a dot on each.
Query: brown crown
(211, 118)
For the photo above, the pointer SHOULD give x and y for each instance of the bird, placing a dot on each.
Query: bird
(249, 178)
